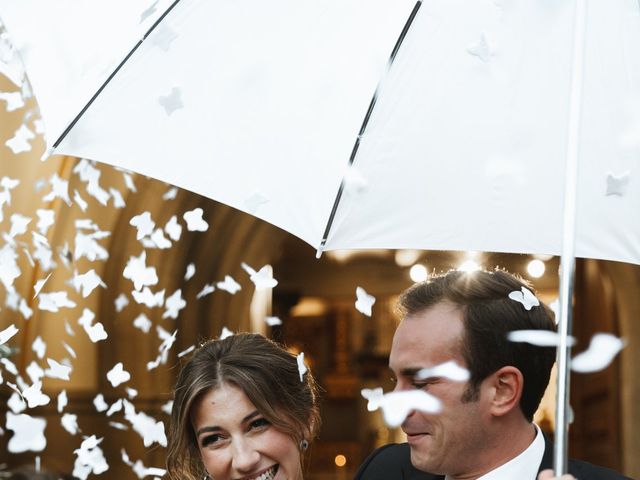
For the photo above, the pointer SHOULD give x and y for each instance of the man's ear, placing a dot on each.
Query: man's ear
(506, 386)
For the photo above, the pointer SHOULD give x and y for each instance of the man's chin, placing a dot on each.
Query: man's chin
(421, 458)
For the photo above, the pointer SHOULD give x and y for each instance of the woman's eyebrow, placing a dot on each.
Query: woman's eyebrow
(207, 429)
(249, 417)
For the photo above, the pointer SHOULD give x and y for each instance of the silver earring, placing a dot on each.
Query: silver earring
(304, 445)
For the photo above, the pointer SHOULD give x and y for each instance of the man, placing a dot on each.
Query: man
(484, 429)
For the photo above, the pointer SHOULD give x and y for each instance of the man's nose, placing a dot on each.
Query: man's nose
(245, 457)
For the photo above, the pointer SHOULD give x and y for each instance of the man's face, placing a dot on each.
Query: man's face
(451, 441)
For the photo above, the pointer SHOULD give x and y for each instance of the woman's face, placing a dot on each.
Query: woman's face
(237, 443)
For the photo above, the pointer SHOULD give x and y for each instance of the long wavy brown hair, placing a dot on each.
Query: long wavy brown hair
(268, 375)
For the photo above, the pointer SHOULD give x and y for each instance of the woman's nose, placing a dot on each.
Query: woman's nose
(245, 457)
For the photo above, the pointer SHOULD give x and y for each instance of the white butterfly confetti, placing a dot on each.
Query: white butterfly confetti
(28, 433)
(170, 194)
(147, 427)
(121, 302)
(174, 304)
(525, 297)
(602, 350)
(206, 290)
(191, 271)
(39, 284)
(7, 333)
(96, 332)
(148, 298)
(172, 101)
(142, 322)
(100, 403)
(364, 301)
(81, 202)
(69, 422)
(186, 351)
(618, 184)
(450, 370)
(540, 338)
(34, 396)
(89, 459)
(53, 302)
(225, 333)
(19, 143)
(46, 219)
(62, 400)
(19, 224)
(273, 321)
(481, 49)
(158, 238)
(229, 285)
(118, 201)
(397, 405)
(137, 271)
(86, 282)
(59, 189)
(144, 224)
(302, 368)
(173, 229)
(263, 278)
(114, 408)
(57, 370)
(374, 398)
(35, 372)
(194, 220)
(14, 100)
(118, 375)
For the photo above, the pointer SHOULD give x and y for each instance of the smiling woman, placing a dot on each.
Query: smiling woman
(241, 411)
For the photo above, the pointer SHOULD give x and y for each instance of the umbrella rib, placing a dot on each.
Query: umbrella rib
(365, 122)
(113, 74)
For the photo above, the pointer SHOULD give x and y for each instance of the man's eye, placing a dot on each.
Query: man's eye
(259, 423)
(210, 440)
(393, 380)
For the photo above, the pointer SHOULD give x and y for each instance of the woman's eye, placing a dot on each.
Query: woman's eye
(210, 440)
(259, 423)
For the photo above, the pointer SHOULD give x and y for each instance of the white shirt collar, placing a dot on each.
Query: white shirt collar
(525, 466)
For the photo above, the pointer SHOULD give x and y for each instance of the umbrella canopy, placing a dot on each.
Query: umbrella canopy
(259, 105)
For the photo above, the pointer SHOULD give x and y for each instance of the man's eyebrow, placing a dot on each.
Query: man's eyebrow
(407, 372)
(215, 428)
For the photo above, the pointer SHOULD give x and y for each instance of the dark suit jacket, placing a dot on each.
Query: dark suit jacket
(393, 461)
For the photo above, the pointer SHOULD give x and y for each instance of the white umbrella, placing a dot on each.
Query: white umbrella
(498, 126)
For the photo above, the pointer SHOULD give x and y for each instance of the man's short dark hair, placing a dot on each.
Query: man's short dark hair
(488, 316)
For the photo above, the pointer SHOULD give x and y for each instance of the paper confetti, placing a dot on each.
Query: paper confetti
(364, 301)
(206, 290)
(62, 400)
(302, 368)
(147, 427)
(374, 398)
(225, 333)
(194, 220)
(137, 271)
(144, 224)
(173, 229)
(170, 194)
(273, 321)
(263, 278)
(602, 350)
(481, 49)
(100, 403)
(34, 396)
(28, 433)
(19, 224)
(121, 302)
(450, 370)
(57, 370)
(118, 375)
(191, 271)
(148, 298)
(89, 459)
(525, 297)
(229, 285)
(142, 322)
(397, 405)
(7, 333)
(86, 282)
(96, 332)
(174, 304)
(69, 422)
(19, 143)
(541, 338)
(618, 184)
(172, 101)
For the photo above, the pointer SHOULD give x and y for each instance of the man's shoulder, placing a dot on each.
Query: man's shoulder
(392, 461)
(588, 471)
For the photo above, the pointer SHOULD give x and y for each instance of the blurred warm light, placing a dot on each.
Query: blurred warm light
(418, 273)
(536, 268)
(310, 307)
(340, 460)
(404, 258)
(543, 257)
(469, 265)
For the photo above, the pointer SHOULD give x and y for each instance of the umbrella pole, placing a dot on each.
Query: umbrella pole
(567, 259)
